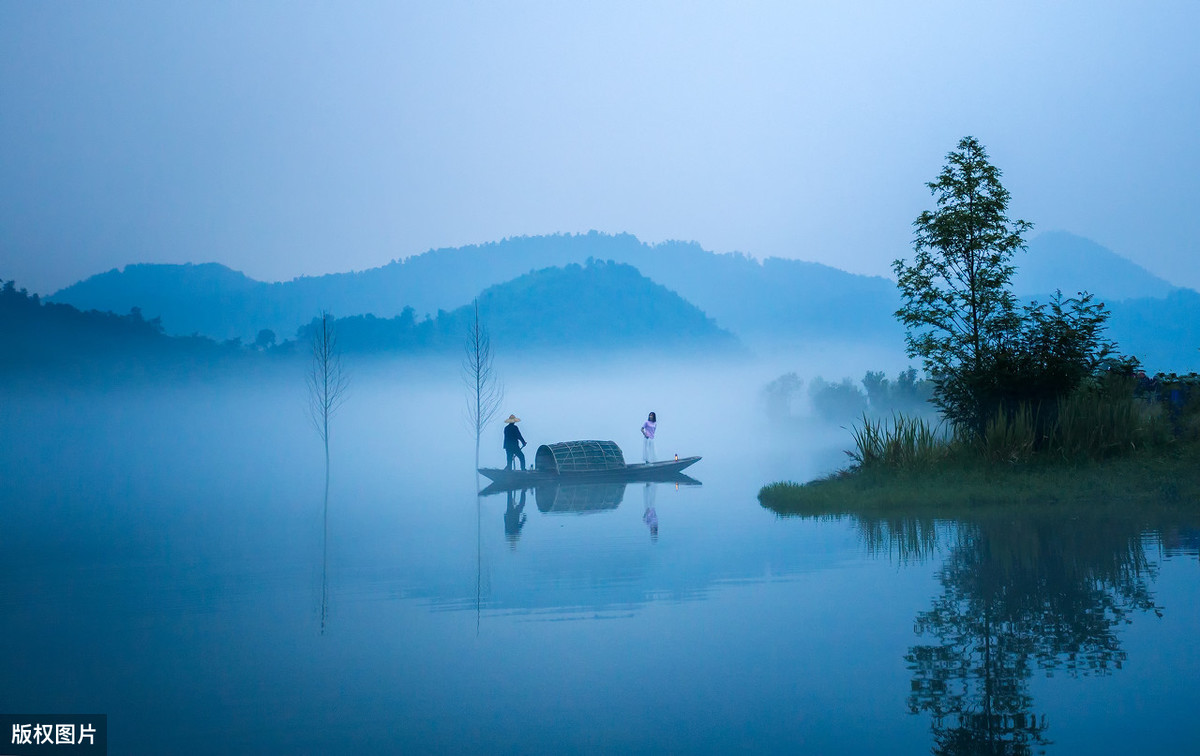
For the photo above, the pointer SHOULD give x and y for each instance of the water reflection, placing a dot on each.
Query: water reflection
(1021, 593)
(582, 498)
(555, 497)
(514, 518)
(649, 516)
(1181, 542)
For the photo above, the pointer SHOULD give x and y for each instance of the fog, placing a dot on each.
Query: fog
(170, 558)
(184, 475)
(281, 139)
(166, 549)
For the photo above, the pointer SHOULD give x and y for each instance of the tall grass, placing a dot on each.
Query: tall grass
(901, 442)
(1009, 436)
(1087, 424)
(1092, 424)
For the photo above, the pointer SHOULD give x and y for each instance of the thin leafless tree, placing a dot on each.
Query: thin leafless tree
(484, 392)
(327, 380)
(327, 385)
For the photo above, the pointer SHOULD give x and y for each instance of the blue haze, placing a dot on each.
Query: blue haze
(292, 139)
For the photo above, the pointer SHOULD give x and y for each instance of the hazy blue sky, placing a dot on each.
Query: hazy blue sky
(286, 139)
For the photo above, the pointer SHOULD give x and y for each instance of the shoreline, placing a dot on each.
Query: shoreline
(1153, 477)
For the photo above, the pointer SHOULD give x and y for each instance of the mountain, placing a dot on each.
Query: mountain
(208, 299)
(1163, 333)
(1059, 260)
(760, 300)
(599, 305)
(43, 338)
(1150, 318)
(763, 303)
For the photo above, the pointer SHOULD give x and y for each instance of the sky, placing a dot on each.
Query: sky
(287, 138)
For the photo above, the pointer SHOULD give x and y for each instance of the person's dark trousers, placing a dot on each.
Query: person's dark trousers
(515, 453)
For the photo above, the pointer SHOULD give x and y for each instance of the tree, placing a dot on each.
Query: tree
(1022, 596)
(265, 339)
(327, 386)
(1059, 345)
(780, 393)
(956, 301)
(484, 392)
(327, 381)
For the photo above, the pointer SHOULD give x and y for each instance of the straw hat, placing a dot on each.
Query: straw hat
(513, 419)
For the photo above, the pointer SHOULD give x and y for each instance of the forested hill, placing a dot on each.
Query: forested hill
(208, 299)
(775, 298)
(596, 306)
(559, 312)
(760, 302)
(46, 337)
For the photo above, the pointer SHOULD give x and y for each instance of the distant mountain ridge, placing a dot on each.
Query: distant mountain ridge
(601, 308)
(1059, 260)
(561, 311)
(763, 303)
(758, 300)
(1163, 333)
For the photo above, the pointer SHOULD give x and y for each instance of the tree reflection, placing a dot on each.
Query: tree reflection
(1019, 595)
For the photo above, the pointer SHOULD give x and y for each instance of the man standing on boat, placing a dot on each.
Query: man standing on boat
(513, 441)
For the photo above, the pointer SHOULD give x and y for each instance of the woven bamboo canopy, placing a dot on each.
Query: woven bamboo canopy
(579, 456)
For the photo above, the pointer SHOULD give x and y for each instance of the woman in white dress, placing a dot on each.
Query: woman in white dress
(648, 438)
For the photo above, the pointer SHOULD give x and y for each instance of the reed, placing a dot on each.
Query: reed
(1094, 425)
(1009, 436)
(902, 442)
(1087, 424)
(1102, 444)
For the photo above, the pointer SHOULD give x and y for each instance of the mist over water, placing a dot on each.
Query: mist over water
(163, 563)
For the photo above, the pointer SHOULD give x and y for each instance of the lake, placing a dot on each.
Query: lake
(169, 560)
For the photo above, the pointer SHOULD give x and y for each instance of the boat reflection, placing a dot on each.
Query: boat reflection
(578, 498)
(581, 498)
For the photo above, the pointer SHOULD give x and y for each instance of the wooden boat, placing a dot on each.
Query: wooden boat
(581, 461)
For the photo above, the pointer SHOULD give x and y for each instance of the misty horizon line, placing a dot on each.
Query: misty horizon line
(591, 233)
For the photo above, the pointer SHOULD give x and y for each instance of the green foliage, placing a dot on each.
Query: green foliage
(1093, 422)
(1008, 436)
(898, 443)
(996, 370)
(1096, 423)
(956, 302)
(965, 484)
(1180, 397)
(1056, 349)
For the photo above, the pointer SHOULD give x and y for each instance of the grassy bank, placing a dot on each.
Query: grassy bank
(1113, 444)
(1164, 475)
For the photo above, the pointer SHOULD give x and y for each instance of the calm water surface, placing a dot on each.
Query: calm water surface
(167, 561)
